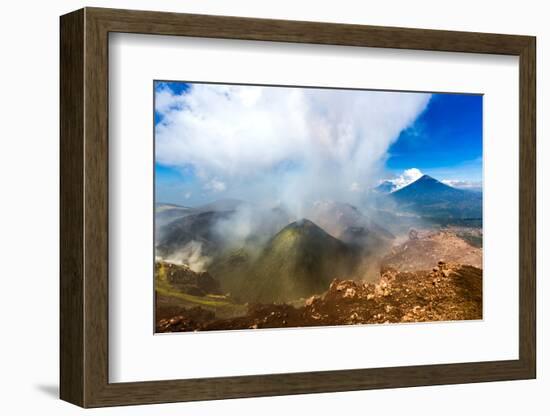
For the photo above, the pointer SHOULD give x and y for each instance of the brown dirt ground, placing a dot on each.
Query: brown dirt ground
(447, 292)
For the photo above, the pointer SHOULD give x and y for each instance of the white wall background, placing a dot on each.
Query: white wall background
(29, 225)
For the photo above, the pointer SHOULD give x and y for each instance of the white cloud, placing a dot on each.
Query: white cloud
(407, 177)
(289, 143)
(215, 185)
(354, 187)
(471, 185)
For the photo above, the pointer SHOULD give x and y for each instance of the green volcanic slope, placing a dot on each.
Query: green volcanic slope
(299, 261)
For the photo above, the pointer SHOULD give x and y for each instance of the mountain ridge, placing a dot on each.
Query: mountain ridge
(300, 260)
(431, 198)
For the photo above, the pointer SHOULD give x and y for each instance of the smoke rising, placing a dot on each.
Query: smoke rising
(286, 147)
(190, 255)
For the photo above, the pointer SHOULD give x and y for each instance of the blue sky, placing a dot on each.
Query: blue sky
(446, 141)
(288, 144)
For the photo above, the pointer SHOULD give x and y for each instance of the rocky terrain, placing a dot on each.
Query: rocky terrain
(422, 250)
(447, 292)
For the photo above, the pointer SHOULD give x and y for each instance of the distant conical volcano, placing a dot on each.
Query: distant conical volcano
(427, 184)
(429, 197)
(299, 261)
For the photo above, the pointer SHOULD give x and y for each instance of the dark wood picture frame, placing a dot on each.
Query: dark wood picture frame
(84, 207)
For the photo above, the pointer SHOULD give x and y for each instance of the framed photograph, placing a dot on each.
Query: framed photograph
(254, 207)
